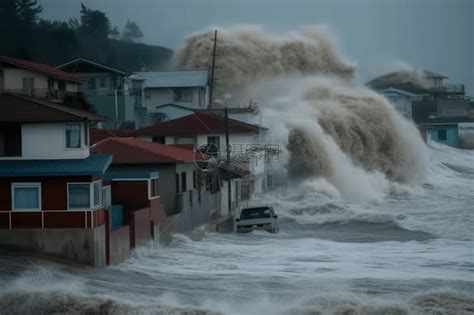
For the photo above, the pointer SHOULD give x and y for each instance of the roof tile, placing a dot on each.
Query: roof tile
(137, 151)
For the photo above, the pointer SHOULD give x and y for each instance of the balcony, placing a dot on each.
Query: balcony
(48, 94)
(457, 89)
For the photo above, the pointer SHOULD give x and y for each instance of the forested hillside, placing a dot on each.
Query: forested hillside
(25, 35)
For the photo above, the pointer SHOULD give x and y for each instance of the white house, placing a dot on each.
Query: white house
(206, 131)
(36, 79)
(185, 88)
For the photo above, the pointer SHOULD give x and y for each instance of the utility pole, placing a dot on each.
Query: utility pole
(229, 187)
(211, 87)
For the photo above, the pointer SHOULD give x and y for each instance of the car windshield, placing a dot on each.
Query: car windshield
(255, 213)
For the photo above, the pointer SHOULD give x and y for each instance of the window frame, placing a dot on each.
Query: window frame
(26, 184)
(106, 196)
(183, 94)
(80, 136)
(99, 204)
(150, 196)
(102, 84)
(92, 205)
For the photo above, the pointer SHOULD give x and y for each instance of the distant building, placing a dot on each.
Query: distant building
(106, 88)
(38, 80)
(437, 108)
(187, 88)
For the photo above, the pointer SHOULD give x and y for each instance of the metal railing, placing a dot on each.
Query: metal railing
(49, 94)
(450, 88)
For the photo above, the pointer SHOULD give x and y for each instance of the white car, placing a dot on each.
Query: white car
(257, 218)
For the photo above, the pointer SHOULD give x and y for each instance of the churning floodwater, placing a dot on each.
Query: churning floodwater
(411, 253)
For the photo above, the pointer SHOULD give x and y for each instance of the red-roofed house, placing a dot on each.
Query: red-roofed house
(51, 188)
(207, 130)
(189, 196)
(36, 79)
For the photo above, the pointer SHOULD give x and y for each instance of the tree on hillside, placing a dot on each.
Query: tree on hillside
(28, 10)
(131, 32)
(94, 24)
(114, 33)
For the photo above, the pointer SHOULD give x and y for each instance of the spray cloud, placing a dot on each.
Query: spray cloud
(350, 137)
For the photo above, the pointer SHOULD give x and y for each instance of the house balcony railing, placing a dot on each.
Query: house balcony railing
(49, 94)
(52, 219)
(450, 89)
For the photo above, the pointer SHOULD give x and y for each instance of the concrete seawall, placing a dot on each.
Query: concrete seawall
(83, 246)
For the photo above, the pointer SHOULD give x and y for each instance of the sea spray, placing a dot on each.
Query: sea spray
(329, 128)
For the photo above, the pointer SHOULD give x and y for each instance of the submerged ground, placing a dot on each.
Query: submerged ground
(413, 253)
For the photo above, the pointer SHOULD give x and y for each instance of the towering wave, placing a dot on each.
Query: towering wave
(247, 53)
(331, 129)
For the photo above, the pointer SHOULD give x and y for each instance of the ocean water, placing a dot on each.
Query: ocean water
(412, 253)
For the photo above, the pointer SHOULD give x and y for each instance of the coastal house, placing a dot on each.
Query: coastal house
(441, 111)
(187, 88)
(52, 193)
(189, 196)
(107, 90)
(38, 80)
(173, 111)
(206, 132)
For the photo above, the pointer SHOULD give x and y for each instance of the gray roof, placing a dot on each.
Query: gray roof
(431, 74)
(171, 79)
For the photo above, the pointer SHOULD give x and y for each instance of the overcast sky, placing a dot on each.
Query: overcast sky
(433, 34)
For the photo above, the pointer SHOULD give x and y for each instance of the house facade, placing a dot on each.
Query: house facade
(107, 90)
(189, 196)
(184, 88)
(206, 132)
(37, 80)
(52, 191)
(438, 109)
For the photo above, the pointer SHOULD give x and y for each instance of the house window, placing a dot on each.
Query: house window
(191, 198)
(73, 135)
(91, 84)
(158, 139)
(106, 197)
(102, 82)
(213, 145)
(194, 179)
(26, 196)
(153, 188)
(10, 140)
(62, 86)
(79, 196)
(28, 86)
(96, 194)
(183, 181)
(183, 95)
(147, 93)
(214, 140)
(86, 134)
(442, 135)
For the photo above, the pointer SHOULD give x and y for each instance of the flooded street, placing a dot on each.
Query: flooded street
(412, 253)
